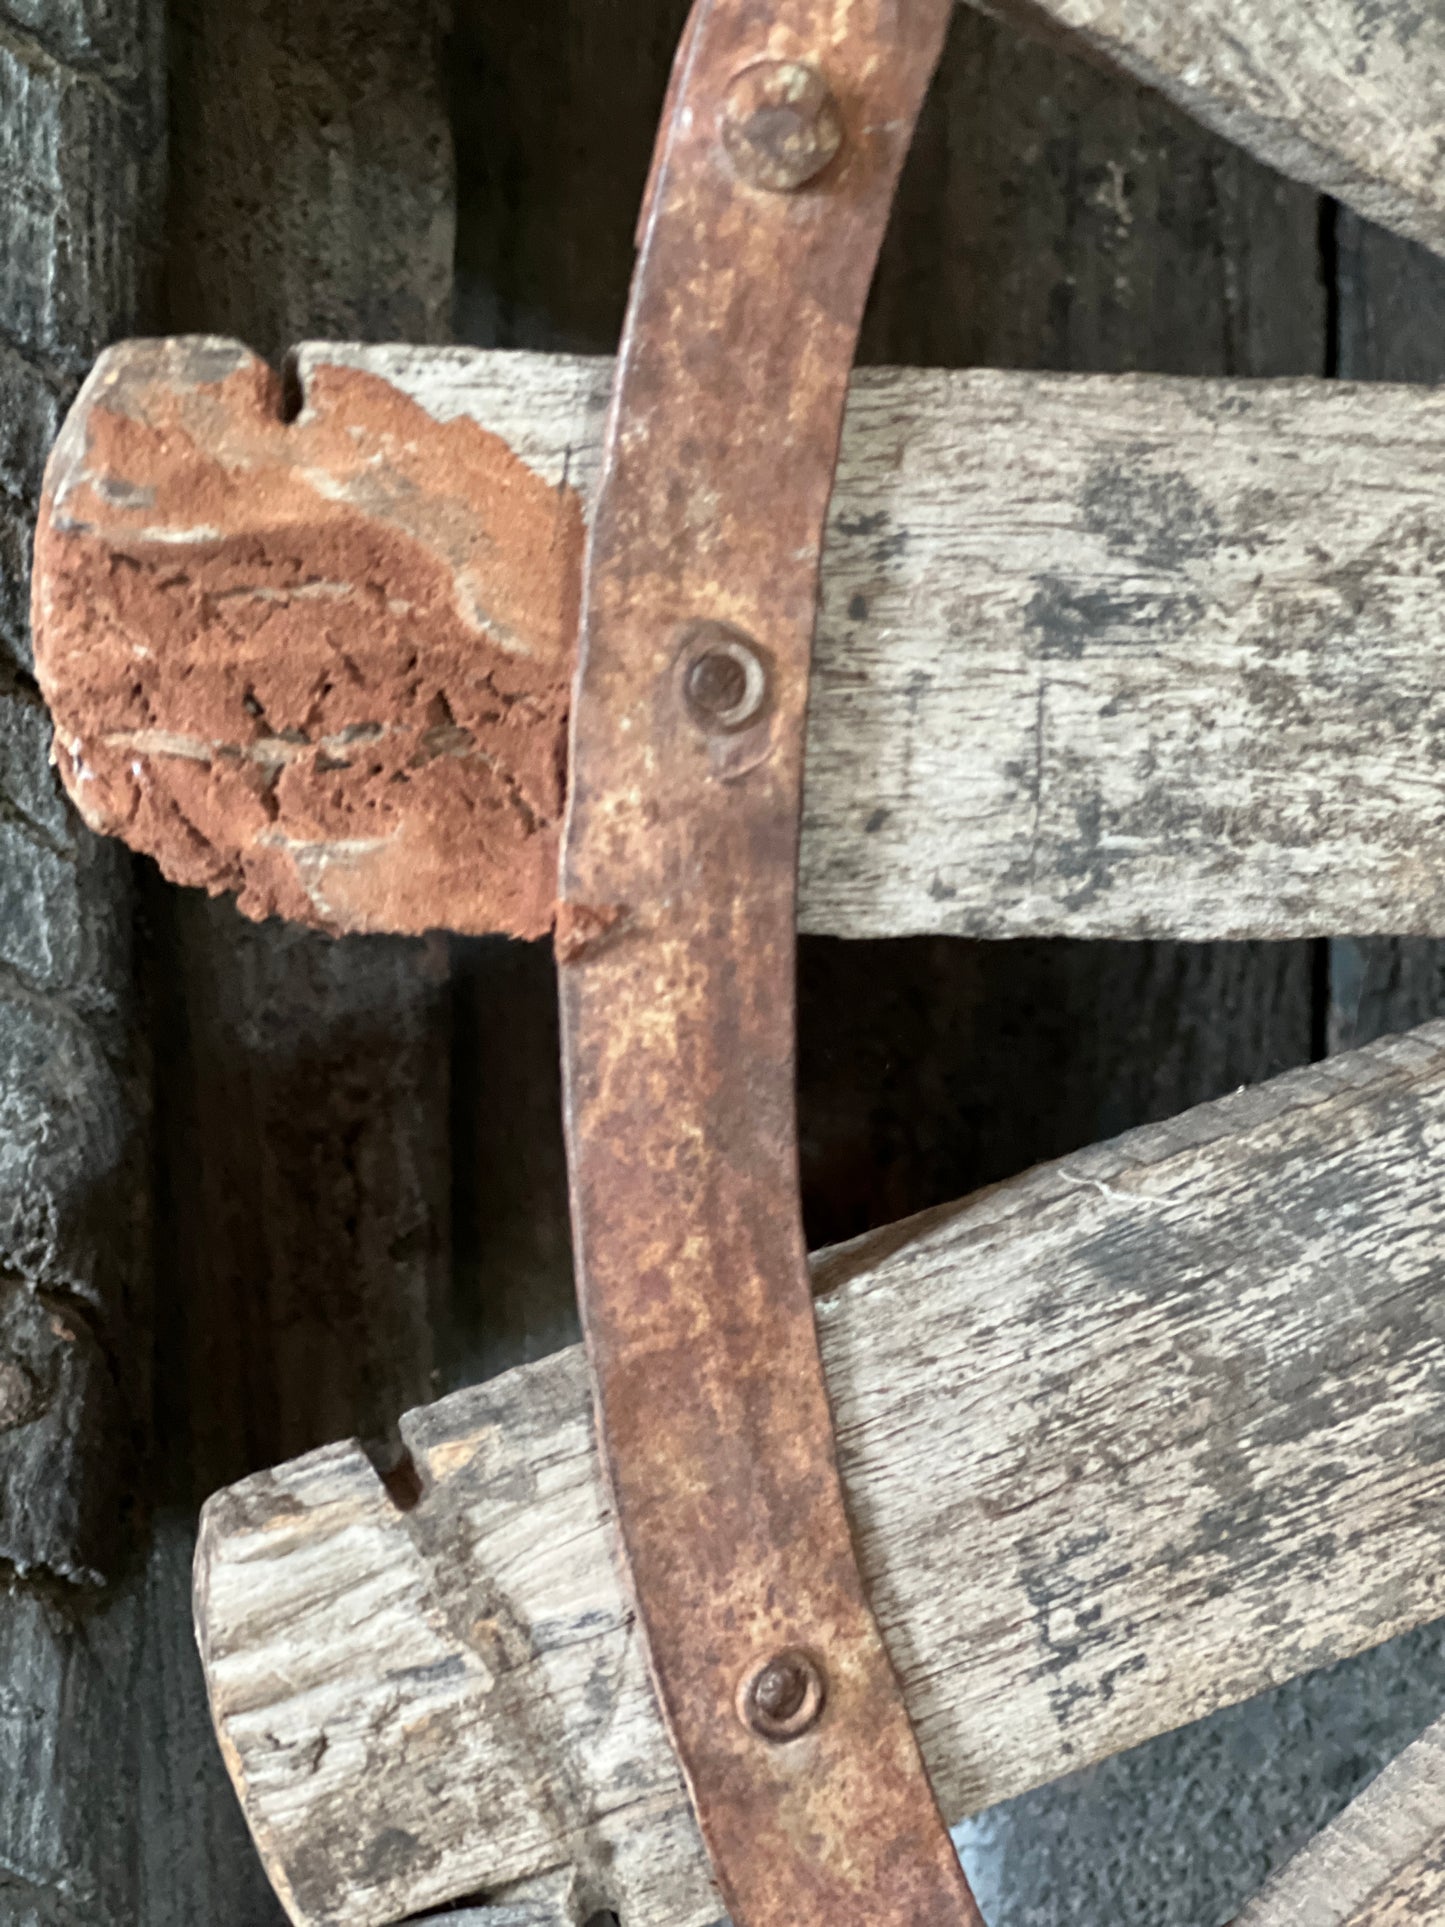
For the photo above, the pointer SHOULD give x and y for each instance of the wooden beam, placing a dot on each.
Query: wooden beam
(82, 156)
(1348, 98)
(1104, 656)
(1127, 1439)
(1380, 1864)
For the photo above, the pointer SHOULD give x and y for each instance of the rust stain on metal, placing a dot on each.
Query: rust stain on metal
(686, 766)
(781, 124)
(582, 926)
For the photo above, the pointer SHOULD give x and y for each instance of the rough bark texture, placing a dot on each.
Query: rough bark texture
(81, 150)
(1119, 1446)
(1110, 656)
(81, 161)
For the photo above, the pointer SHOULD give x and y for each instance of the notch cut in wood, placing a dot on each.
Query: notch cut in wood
(1116, 656)
(1125, 1440)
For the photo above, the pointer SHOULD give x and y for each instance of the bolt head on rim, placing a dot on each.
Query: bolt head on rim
(784, 1698)
(780, 125)
(723, 676)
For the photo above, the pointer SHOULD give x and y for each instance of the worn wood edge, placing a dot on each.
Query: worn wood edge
(1105, 656)
(1171, 1496)
(1381, 1863)
(1342, 98)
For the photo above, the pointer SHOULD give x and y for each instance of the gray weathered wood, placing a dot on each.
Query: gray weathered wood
(1380, 1864)
(1391, 302)
(1107, 656)
(1349, 98)
(1125, 1440)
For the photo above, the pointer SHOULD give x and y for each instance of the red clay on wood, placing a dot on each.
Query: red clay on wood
(323, 663)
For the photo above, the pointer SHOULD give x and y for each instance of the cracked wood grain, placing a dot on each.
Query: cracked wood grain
(82, 118)
(1116, 656)
(1125, 1440)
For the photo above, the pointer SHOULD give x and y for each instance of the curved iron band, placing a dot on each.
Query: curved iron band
(676, 939)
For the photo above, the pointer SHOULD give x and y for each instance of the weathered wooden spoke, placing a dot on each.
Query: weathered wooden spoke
(1113, 655)
(1124, 1440)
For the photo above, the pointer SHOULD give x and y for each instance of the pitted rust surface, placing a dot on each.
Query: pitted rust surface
(678, 883)
(321, 662)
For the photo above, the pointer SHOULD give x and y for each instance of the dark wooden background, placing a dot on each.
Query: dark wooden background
(259, 1189)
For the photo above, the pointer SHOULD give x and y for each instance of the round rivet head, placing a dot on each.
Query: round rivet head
(780, 124)
(724, 680)
(784, 1698)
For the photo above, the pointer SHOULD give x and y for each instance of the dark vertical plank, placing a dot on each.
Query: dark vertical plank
(514, 1297)
(302, 1169)
(302, 1091)
(311, 172)
(1390, 326)
(81, 156)
(82, 166)
(1054, 216)
(304, 1083)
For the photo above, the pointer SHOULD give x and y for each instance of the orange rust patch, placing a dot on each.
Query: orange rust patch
(582, 926)
(324, 664)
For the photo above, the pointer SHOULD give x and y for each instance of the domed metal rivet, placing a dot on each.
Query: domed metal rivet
(785, 1697)
(724, 678)
(780, 124)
